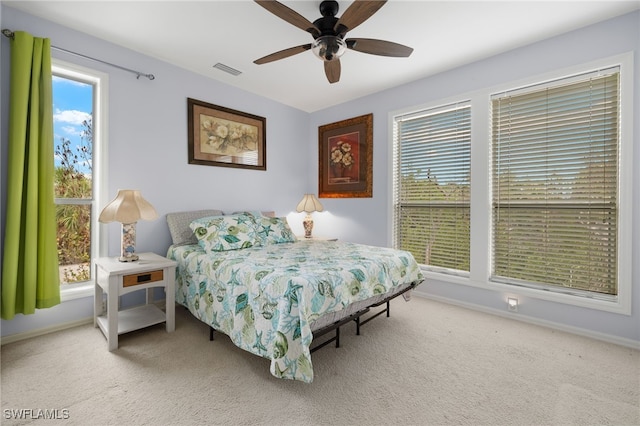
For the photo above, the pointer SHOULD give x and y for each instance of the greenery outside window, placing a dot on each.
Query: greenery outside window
(78, 123)
(432, 184)
(555, 167)
(548, 195)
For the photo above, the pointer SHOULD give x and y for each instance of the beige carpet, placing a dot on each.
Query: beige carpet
(428, 364)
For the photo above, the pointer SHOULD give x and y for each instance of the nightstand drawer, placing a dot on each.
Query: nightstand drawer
(142, 278)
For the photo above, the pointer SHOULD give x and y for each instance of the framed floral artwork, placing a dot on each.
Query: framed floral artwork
(219, 136)
(345, 158)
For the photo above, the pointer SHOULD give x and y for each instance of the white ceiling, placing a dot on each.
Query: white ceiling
(197, 34)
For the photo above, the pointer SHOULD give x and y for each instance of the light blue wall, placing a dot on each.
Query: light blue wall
(147, 150)
(147, 146)
(595, 42)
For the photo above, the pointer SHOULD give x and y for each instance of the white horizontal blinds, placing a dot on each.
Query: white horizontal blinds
(555, 183)
(433, 173)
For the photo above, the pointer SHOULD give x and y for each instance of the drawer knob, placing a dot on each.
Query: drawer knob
(144, 278)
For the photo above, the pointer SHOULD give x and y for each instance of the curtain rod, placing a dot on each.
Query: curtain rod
(9, 33)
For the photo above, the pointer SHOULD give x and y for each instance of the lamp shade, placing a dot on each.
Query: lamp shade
(309, 204)
(128, 207)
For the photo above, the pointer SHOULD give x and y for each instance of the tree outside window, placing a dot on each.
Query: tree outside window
(73, 180)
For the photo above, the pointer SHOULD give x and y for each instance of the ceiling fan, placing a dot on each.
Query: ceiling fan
(329, 31)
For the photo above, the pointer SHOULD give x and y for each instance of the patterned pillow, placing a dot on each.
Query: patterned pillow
(255, 213)
(274, 230)
(222, 233)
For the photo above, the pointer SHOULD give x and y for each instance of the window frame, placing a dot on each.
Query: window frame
(537, 104)
(481, 196)
(99, 154)
(415, 114)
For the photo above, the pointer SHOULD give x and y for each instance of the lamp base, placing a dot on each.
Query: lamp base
(308, 226)
(128, 243)
(132, 258)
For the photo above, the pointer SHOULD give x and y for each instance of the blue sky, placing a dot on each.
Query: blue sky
(72, 103)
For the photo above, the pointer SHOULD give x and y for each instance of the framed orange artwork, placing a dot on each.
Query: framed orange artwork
(345, 158)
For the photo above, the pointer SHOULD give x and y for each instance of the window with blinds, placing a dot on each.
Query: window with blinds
(432, 180)
(555, 150)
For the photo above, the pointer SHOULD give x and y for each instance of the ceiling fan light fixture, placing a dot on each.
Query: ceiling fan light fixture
(329, 33)
(328, 48)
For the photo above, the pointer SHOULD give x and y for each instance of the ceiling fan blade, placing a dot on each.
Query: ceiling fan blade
(332, 70)
(283, 54)
(379, 47)
(358, 12)
(289, 15)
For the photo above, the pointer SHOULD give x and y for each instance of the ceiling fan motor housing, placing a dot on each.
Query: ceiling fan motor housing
(328, 46)
(329, 8)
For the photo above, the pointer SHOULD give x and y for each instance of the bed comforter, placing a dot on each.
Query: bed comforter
(265, 298)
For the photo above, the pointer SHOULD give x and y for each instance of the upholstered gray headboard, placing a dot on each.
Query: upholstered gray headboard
(179, 225)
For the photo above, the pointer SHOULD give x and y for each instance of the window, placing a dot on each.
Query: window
(555, 151)
(77, 146)
(542, 204)
(432, 186)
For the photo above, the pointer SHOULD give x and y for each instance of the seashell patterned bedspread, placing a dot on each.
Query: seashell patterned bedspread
(264, 298)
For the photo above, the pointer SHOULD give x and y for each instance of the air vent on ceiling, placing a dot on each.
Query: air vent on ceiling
(226, 68)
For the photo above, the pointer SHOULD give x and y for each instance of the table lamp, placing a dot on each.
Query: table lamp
(127, 208)
(309, 204)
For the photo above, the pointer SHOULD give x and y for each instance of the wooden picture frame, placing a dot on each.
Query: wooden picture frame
(219, 136)
(346, 158)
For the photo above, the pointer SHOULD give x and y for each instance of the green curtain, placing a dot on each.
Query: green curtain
(30, 277)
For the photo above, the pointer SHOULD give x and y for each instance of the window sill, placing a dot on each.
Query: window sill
(441, 276)
(617, 306)
(76, 291)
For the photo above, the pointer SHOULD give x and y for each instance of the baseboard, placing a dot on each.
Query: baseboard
(58, 327)
(633, 344)
(41, 331)
(524, 318)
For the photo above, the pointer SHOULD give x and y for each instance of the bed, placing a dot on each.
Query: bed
(247, 276)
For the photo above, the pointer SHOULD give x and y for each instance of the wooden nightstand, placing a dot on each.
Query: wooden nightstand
(118, 278)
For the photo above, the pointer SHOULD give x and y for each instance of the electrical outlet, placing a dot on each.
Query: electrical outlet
(512, 304)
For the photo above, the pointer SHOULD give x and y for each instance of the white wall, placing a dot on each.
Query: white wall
(147, 150)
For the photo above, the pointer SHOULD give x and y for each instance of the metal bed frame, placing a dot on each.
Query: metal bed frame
(353, 317)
